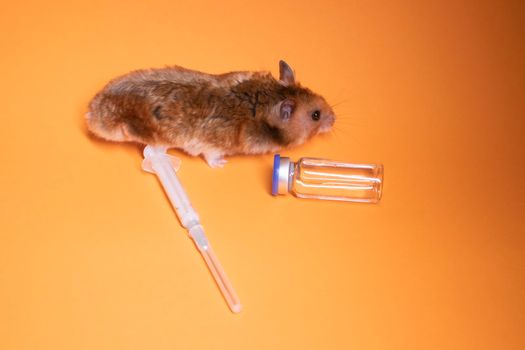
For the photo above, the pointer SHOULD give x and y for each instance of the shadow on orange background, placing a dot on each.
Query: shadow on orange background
(93, 257)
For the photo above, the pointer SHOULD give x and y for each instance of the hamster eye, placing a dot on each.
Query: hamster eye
(316, 115)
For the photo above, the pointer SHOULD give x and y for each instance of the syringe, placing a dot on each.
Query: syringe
(158, 162)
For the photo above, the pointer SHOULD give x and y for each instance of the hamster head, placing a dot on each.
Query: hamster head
(302, 113)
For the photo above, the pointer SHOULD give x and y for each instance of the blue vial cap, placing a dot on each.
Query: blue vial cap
(275, 178)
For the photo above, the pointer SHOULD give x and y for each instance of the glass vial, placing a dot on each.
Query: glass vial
(327, 179)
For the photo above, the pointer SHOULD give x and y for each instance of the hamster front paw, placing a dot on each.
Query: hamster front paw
(215, 160)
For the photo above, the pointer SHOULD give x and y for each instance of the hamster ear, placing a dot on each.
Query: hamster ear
(286, 74)
(287, 108)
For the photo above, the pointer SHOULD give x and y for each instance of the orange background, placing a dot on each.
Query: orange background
(92, 256)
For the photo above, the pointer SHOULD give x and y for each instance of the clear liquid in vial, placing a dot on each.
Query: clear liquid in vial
(326, 179)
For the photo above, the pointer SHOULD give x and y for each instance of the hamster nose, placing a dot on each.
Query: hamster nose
(327, 124)
(331, 119)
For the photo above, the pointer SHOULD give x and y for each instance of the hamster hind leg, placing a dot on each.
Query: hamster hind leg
(107, 130)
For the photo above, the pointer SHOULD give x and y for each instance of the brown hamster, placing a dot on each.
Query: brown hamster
(209, 115)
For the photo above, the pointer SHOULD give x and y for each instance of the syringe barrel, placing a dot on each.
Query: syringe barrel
(162, 167)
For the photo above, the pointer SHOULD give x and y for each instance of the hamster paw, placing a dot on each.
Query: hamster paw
(215, 161)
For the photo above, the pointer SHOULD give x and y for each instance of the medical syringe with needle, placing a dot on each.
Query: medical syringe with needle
(158, 162)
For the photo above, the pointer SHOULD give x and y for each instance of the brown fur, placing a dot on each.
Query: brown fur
(212, 115)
